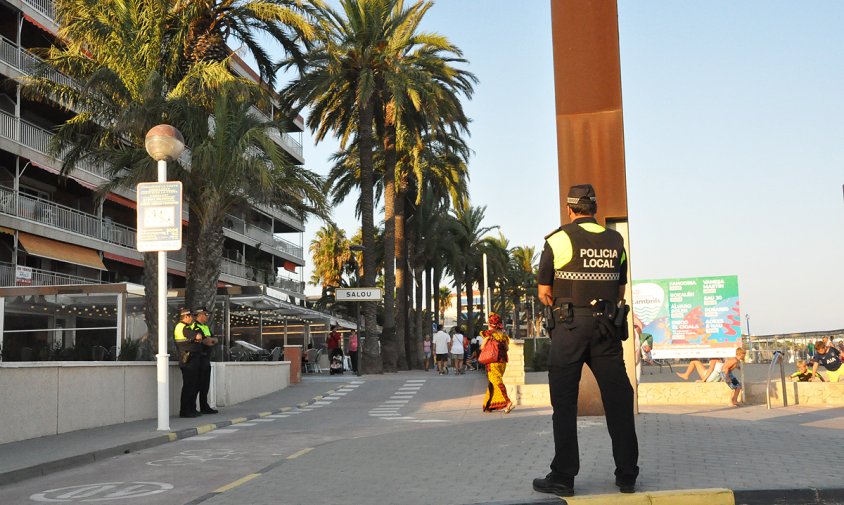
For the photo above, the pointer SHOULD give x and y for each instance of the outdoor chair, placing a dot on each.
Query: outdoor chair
(312, 365)
(275, 354)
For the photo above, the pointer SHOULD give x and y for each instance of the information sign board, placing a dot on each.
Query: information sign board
(159, 216)
(689, 318)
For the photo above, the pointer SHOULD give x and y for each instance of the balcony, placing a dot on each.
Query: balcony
(283, 139)
(27, 63)
(40, 277)
(38, 139)
(65, 218)
(262, 235)
(264, 277)
(45, 7)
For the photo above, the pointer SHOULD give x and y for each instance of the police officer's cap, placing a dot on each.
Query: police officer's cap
(184, 312)
(581, 192)
(200, 310)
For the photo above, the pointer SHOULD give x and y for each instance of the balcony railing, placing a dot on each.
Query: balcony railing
(242, 271)
(39, 277)
(45, 7)
(27, 63)
(263, 235)
(38, 139)
(281, 138)
(65, 218)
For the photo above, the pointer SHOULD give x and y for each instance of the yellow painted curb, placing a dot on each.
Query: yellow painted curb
(303, 405)
(317, 398)
(239, 420)
(205, 428)
(285, 409)
(264, 414)
(173, 436)
(715, 496)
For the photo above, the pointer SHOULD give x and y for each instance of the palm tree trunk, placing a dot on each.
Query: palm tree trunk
(420, 318)
(204, 252)
(372, 356)
(388, 336)
(151, 295)
(436, 294)
(470, 299)
(403, 340)
(429, 299)
(458, 301)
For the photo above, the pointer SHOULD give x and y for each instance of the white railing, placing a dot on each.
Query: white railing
(262, 235)
(38, 139)
(281, 138)
(65, 218)
(40, 277)
(27, 63)
(45, 7)
(290, 285)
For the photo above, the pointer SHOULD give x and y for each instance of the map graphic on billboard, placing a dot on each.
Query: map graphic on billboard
(689, 318)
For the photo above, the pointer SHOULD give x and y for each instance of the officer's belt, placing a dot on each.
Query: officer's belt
(582, 311)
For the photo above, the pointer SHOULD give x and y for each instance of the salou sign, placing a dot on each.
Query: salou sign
(358, 294)
(689, 318)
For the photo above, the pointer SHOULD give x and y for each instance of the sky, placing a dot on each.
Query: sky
(734, 142)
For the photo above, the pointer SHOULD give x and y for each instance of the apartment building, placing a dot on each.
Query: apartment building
(53, 232)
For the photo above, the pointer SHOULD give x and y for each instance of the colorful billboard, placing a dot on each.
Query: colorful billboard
(689, 318)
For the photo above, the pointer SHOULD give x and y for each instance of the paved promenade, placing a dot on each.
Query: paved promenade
(444, 450)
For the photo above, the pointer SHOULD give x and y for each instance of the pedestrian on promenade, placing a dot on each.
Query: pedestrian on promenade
(582, 276)
(456, 350)
(200, 324)
(353, 350)
(189, 346)
(496, 392)
(830, 358)
(333, 344)
(710, 373)
(441, 342)
(426, 349)
(729, 377)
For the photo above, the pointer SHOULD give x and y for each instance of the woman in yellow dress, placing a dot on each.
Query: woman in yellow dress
(496, 393)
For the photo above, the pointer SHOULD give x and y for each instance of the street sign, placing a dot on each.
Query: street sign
(159, 216)
(358, 294)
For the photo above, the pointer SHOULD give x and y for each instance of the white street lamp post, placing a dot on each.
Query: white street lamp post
(164, 143)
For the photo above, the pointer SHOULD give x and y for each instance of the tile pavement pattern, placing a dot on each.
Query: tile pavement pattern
(494, 460)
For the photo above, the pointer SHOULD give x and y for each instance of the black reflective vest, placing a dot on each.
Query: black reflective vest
(588, 263)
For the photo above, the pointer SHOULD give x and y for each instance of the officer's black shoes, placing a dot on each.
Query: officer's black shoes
(625, 486)
(189, 414)
(209, 410)
(554, 486)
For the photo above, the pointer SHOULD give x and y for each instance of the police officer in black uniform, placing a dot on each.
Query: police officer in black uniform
(582, 274)
(189, 346)
(208, 342)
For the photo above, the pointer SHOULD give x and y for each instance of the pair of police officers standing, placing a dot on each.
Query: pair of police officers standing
(194, 343)
(582, 276)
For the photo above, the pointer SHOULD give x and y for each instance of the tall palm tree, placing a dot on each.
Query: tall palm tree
(340, 81)
(330, 256)
(442, 296)
(469, 242)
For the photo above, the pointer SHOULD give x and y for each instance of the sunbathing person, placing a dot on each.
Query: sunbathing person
(712, 373)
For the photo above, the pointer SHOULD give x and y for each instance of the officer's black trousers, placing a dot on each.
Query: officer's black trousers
(572, 345)
(204, 380)
(190, 384)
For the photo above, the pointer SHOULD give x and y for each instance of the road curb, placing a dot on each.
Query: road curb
(42, 469)
(715, 496)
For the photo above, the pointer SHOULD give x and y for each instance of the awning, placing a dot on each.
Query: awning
(7, 231)
(137, 263)
(121, 200)
(60, 251)
(290, 266)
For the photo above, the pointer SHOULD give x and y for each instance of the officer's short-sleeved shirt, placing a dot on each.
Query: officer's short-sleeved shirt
(546, 261)
(831, 359)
